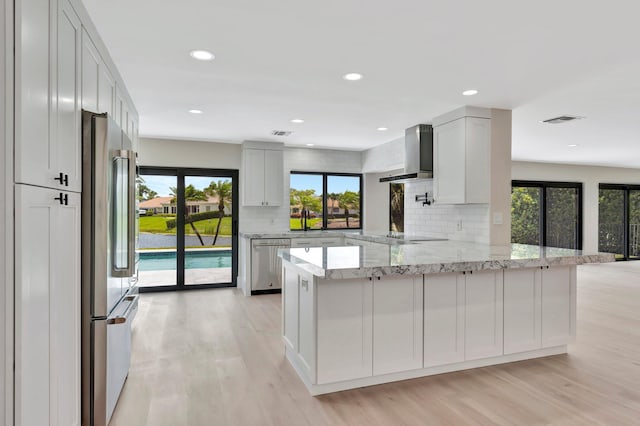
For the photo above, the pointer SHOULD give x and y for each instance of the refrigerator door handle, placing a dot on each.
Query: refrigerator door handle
(127, 270)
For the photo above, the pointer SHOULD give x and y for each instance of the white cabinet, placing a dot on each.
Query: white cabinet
(522, 310)
(98, 84)
(539, 308)
(483, 315)
(47, 152)
(263, 177)
(397, 323)
(462, 317)
(47, 307)
(443, 318)
(344, 329)
(462, 161)
(558, 305)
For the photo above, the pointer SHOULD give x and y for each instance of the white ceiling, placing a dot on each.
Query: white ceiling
(283, 59)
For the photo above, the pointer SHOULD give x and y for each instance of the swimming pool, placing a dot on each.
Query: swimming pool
(197, 259)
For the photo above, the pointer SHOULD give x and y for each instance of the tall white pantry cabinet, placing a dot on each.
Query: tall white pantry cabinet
(58, 72)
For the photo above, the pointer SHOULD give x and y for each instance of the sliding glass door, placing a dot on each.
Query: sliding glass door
(619, 220)
(546, 213)
(188, 228)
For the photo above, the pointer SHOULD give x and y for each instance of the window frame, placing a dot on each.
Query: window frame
(325, 220)
(543, 185)
(626, 188)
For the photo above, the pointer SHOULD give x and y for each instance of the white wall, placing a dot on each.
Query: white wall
(590, 176)
(182, 153)
(385, 157)
(376, 203)
(468, 222)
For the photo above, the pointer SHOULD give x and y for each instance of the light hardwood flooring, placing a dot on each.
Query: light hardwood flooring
(214, 357)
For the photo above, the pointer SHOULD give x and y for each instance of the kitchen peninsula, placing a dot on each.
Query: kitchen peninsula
(377, 312)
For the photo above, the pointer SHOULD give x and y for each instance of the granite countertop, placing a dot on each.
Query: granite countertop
(298, 234)
(429, 257)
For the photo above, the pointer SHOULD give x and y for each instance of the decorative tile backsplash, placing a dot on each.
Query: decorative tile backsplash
(465, 222)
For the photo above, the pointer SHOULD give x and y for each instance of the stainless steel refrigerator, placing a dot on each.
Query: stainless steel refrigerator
(109, 292)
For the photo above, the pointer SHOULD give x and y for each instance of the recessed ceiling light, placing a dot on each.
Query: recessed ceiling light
(297, 120)
(202, 55)
(470, 92)
(195, 111)
(310, 144)
(352, 76)
(573, 145)
(382, 129)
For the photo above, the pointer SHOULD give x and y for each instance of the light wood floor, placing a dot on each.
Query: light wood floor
(214, 357)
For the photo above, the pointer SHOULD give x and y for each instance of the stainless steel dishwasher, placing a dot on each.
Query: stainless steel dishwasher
(266, 266)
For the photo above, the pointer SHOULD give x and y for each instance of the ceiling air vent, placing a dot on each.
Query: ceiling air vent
(562, 119)
(281, 132)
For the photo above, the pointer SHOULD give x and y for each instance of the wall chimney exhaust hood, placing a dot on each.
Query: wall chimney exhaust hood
(418, 155)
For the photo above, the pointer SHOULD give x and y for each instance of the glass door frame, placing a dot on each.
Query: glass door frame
(181, 173)
(543, 185)
(626, 214)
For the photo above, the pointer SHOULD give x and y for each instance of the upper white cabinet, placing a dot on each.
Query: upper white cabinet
(98, 84)
(263, 183)
(47, 152)
(47, 307)
(462, 157)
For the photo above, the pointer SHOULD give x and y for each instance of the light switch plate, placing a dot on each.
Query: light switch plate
(497, 218)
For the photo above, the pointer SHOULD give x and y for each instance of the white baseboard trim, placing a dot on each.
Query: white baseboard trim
(320, 389)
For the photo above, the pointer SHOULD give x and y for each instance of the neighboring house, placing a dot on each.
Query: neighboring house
(164, 205)
(333, 208)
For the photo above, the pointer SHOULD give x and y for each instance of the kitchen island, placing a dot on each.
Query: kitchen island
(378, 312)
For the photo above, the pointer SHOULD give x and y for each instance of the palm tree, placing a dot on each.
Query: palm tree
(306, 199)
(190, 194)
(222, 190)
(347, 200)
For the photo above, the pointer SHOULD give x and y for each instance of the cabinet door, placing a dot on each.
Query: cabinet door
(558, 305)
(47, 298)
(34, 150)
(273, 177)
(118, 107)
(90, 74)
(65, 314)
(253, 177)
(443, 319)
(397, 324)
(290, 295)
(522, 310)
(306, 325)
(478, 155)
(68, 145)
(106, 90)
(449, 162)
(483, 315)
(344, 327)
(35, 248)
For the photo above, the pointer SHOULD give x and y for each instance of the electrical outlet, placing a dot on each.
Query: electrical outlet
(497, 219)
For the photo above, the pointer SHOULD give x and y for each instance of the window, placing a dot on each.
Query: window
(332, 200)
(619, 220)
(546, 213)
(396, 207)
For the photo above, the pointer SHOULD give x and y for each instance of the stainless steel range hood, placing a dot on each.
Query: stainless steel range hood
(418, 155)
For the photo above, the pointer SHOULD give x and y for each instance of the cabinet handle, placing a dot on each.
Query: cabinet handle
(378, 278)
(266, 203)
(63, 198)
(63, 179)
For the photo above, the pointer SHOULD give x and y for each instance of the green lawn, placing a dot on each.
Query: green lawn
(311, 223)
(158, 225)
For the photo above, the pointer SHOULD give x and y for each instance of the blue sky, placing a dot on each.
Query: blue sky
(334, 183)
(161, 184)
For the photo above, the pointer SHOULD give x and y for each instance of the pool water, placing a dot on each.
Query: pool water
(200, 259)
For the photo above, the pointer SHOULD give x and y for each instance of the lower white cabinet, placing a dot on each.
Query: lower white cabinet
(539, 308)
(344, 327)
(483, 315)
(443, 318)
(47, 307)
(462, 317)
(397, 323)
